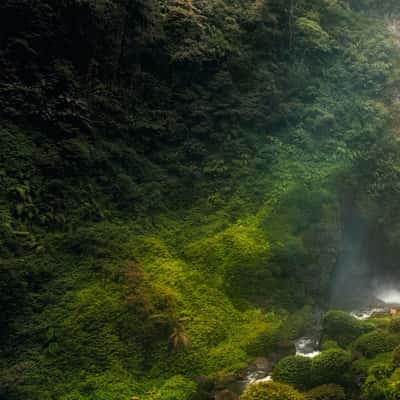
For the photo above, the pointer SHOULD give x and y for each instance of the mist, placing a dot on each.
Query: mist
(366, 273)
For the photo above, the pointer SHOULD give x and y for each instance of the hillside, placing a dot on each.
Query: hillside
(183, 182)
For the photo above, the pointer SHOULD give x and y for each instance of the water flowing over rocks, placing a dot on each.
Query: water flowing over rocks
(260, 370)
(307, 347)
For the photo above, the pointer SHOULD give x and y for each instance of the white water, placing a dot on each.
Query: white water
(268, 378)
(365, 314)
(307, 347)
(310, 355)
(257, 376)
(389, 295)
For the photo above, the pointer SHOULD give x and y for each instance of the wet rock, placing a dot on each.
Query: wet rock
(261, 366)
(263, 363)
(225, 381)
(243, 374)
(226, 395)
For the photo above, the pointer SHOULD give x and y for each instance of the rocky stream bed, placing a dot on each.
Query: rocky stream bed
(260, 370)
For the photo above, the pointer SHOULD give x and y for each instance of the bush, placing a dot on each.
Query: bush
(326, 392)
(375, 342)
(329, 344)
(394, 325)
(271, 391)
(330, 366)
(293, 370)
(376, 386)
(176, 388)
(298, 323)
(342, 327)
(268, 342)
(396, 357)
(394, 385)
(362, 365)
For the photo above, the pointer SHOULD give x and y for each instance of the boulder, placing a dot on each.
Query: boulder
(263, 363)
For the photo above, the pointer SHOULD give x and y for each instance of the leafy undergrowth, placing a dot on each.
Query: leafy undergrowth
(143, 306)
(162, 225)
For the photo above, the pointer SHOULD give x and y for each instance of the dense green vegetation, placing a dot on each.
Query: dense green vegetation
(271, 391)
(326, 392)
(342, 328)
(293, 370)
(331, 366)
(366, 369)
(176, 183)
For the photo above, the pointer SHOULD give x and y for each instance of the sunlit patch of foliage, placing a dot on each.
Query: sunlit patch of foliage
(271, 391)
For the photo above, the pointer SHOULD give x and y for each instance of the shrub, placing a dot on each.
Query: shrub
(396, 357)
(394, 385)
(375, 342)
(293, 370)
(330, 366)
(394, 325)
(342, 327)
(271, 391)
(176, 388)
(326, 392)
(329, 344)
(376, 386)
(363, 365)
(298, 323)
(267, 341)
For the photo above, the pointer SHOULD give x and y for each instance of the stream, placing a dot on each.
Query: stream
(261, 370)
(306, 346)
